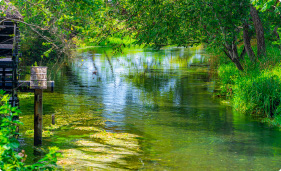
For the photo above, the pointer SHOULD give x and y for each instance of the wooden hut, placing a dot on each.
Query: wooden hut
(9, 49)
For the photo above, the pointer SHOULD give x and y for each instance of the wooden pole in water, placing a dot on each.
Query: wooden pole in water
(53, 119)
(38, 116)
(38, 82)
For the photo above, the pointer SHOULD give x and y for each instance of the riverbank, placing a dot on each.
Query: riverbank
(257, 90)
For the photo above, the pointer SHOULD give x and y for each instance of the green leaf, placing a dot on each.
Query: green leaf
(5, 98)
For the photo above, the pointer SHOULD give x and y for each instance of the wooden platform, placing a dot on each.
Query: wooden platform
(6, 46)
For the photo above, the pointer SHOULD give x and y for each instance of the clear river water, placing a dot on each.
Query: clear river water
(146, 110)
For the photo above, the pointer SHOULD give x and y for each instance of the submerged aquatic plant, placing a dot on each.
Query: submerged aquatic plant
(45, 133)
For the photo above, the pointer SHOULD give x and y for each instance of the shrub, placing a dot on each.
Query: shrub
(10, 159)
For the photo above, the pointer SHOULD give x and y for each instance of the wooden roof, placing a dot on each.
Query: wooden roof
(9, 11)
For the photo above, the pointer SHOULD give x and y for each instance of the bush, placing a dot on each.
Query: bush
(10, 159)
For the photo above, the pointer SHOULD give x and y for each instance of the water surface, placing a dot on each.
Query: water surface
(163, 100)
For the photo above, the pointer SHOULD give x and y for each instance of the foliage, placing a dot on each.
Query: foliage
(264, 5)
(49, 26)
(10, 158)
(218, 24)
(181, 23)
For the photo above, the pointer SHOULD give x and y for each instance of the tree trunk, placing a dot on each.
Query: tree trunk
(235, 57)
(238, 64)
(259, 32)
(232, 54)
(247, 42)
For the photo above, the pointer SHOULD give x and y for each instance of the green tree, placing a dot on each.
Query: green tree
(50, 26)
(218, 24)
(271, 11)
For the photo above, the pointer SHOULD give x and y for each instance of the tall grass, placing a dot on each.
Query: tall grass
(228, 73)
(257, 90)
(258, 94)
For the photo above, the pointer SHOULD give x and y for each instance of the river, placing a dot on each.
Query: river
(146, 110)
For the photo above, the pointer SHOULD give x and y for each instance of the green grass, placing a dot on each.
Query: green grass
(258, 94)
(257, 90)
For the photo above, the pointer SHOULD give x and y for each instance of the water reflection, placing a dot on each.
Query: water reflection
(166, 99)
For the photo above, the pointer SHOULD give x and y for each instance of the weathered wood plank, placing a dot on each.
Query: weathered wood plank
(24, 86)
(6, 46)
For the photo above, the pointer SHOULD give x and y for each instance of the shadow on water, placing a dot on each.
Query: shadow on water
(150, 110)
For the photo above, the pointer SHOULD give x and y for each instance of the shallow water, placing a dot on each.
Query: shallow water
(159, 113)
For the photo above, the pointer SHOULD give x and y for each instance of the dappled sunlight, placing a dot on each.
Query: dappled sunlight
(112, 152)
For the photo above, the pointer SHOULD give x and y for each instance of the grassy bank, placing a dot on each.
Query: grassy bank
(257, 90)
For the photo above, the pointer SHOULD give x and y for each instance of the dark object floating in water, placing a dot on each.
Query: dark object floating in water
(95, 72)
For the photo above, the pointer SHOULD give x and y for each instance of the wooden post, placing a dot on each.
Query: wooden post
(38, 116)
(53, 119)
(38, 82)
